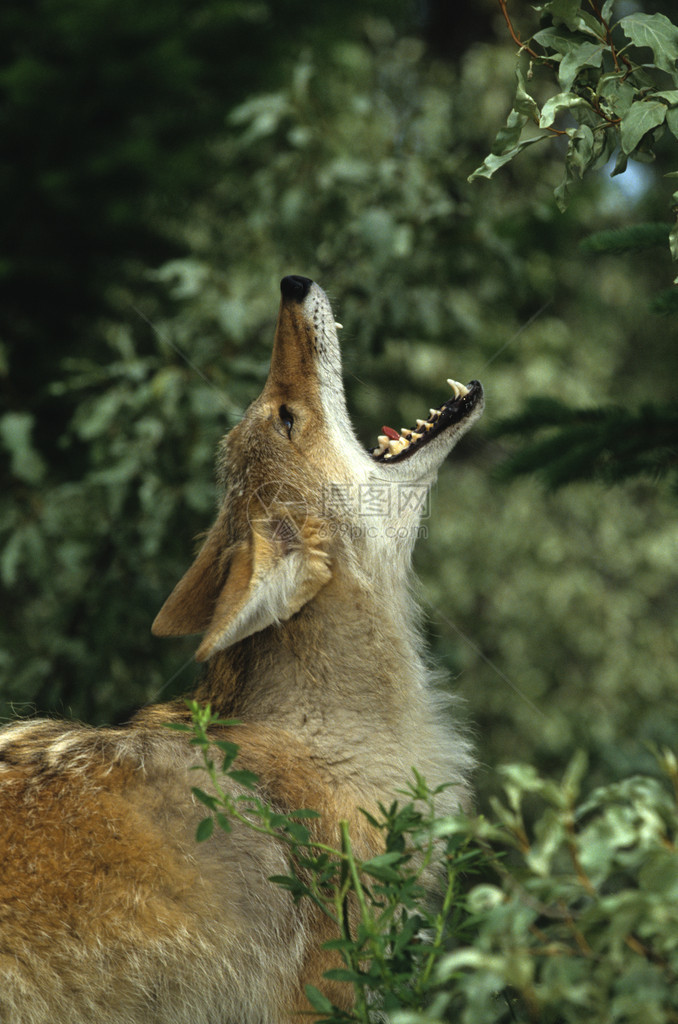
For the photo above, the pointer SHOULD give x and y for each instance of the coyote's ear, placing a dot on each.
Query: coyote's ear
(254, 584)
(190, 606)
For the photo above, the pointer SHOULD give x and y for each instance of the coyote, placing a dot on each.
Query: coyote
(110, 913)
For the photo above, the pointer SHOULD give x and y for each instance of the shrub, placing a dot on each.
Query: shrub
(574, 916)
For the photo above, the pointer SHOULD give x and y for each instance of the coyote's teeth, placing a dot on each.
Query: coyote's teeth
(339, 326)
(396, 447)
(416, 437)
(421, 423)
(434, 413)
(405, 432)
(460, 390)
(383, 442)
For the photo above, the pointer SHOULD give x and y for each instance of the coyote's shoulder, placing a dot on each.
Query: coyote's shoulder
(109, 910)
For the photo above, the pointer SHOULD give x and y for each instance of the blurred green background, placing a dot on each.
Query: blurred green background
(164, 166)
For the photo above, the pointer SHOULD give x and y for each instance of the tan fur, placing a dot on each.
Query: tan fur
(109, 910)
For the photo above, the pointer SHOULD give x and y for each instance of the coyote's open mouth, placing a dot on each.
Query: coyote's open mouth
(394, 446)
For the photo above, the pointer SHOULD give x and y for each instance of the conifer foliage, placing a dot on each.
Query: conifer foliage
(611, 444)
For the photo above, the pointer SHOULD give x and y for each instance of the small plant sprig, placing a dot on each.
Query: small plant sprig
(573, 919)
(617, 87)
(385, 959)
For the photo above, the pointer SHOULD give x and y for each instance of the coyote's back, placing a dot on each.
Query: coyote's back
(109, 910)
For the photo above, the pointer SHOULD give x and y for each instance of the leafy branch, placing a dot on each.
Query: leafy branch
(377, 905)
(578, 894)
(611, 99)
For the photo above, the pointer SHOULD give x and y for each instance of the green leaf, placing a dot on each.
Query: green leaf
(524, 103)
(508, 136)
(570, 14)
(659, 874)
(550, 832)
(620, 164)
(244, 777)
(15, 434)
(343, 974)
(204, 798)
(563, 101)
(580, 152)
(344, 945)
(554, 39)
(616, 96)
(643, 116)
(574, 775)
(673, 239)
(493, 161)
(292, 884)
(381, 866)
(227, 748)
(297, 832)
(383, 874)
(583, 55)
(204, 830)
(317, 1000)
(382, 860)
(657, 32)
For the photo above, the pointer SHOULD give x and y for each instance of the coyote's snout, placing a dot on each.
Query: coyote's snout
(110, 913)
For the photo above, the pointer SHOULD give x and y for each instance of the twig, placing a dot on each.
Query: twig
(514, 35)
(608, 38)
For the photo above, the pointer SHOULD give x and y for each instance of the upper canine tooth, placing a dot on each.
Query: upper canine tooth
(460, 390)
(396, 447)
(339, 326)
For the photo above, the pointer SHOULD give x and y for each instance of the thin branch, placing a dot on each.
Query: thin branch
(514, 35)
(608, 38)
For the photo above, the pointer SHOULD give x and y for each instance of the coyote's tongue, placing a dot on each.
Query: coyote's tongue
(390, 432)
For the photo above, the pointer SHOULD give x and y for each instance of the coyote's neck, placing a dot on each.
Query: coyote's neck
(344, 675)
(358, 653)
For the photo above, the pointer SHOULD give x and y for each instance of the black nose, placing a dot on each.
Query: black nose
(295, 287)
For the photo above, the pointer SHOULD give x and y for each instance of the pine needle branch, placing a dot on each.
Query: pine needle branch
(611, 444)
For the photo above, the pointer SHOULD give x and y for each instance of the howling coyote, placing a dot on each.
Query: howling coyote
(110, 913)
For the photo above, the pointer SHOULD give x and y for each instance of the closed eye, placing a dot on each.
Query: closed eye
(286, 418)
